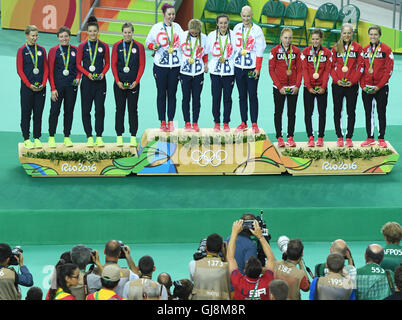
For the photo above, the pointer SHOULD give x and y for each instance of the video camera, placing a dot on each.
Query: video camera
(16, 252)
(260, 252)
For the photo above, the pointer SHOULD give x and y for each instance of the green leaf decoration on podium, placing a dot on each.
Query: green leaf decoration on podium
(298, 164)
(386, 166)
(37, 170)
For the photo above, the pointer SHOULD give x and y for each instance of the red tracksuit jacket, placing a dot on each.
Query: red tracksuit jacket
(382, 66)
(324, 68)
(277, 67)
(355, 64)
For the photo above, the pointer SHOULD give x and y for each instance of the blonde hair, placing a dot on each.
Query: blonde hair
(286, 30)
(194, 24)
(392, 231)
(31, 28)
(339, 48)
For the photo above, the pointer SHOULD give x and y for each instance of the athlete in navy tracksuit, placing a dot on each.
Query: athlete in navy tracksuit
(93, 60)
(64, 79)
(128, 63)
(32, 68)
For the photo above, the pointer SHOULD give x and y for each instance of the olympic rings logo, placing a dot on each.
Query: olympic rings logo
(209, 157)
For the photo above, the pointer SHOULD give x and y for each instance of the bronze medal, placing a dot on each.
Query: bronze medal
(288, 73)
(316, 75)
(345, 69)
(370, 70)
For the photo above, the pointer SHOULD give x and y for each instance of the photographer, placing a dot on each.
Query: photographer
(245, 247)
(254, 284)
(115, 250)
(9, 278)
(210, 274)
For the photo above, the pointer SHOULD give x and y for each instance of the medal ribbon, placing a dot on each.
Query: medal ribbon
(316, 63)
(193, 49)
(287, 60)
(64, 57)
(171, 35)
(242, 36)
(127, 57)
(372, 56)
(90, 52)
(34, 60)
(220, 45)
(346, 58)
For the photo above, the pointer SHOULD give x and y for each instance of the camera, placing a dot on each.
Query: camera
(248, 224)
(16, 252)
(260, 252)
(122, 253)
(201, 252)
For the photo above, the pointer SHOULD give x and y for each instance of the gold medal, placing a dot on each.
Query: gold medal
(345, 69)
(370, 70)
(288, 73)
(316, 75)
(222, 59)
(243, 52)
(191, 61)
(170, 50)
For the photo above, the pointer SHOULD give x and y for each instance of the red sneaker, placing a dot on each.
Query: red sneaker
(310, 142)
(368, 142)
(163, 126)
(349, 143)
(290, 142)
(320, 142)
(242, 127)
(170, 126)
(281, 144)
(195, 127)
(217, 127)
(226, 127)
(382, 143)
(255, 128)
(187, 126)
(339, 143)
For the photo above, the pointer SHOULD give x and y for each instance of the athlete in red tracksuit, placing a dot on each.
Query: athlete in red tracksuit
(285, 69)
(347, 66)
(378, 61)
(317, 63)
(32, 68)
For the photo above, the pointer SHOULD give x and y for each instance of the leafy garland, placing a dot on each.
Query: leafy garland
(337, 154)
(191, 141)
(82, 157)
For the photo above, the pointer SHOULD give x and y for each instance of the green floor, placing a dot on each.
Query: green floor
(168, 257)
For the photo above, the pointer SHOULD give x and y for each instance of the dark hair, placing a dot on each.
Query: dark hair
(65, 257)
(62, 271)
(166, 6)
(253, 267)
(214, 243)
(247, 216)
(279, 289)
(165, 279)
(398, 277)
(295, 249)
(182, 289)
(127, 25)
(34, 293)
(374, 257)
(113, 248)
(109, 284)
(64, 29)
(81, 256)
(319, 32)
(92, 21)
(146, 265)
(335, 262)
(5, 252)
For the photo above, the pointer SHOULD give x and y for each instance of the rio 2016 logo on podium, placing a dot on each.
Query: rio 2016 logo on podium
(47, 15)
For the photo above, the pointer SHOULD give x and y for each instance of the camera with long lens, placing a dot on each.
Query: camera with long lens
(16, 252)
(260, 252)
(201, 251)
(122, 253)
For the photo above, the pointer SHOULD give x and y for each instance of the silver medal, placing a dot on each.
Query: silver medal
(126, 69)
(92, 68)
(36, 71)
(66, 72)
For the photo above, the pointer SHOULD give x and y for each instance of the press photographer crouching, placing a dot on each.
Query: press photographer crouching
(254, 285)
(9, 278)
(210, 274)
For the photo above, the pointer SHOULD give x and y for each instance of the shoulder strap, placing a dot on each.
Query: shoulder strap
(391, 285)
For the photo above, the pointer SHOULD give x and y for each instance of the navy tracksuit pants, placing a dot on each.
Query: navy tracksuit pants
(93, 91)
(68, 94)
(191, 88)
(247, 87)
(166, 84)
(130, 98)
(221, 85)
(32, 104)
